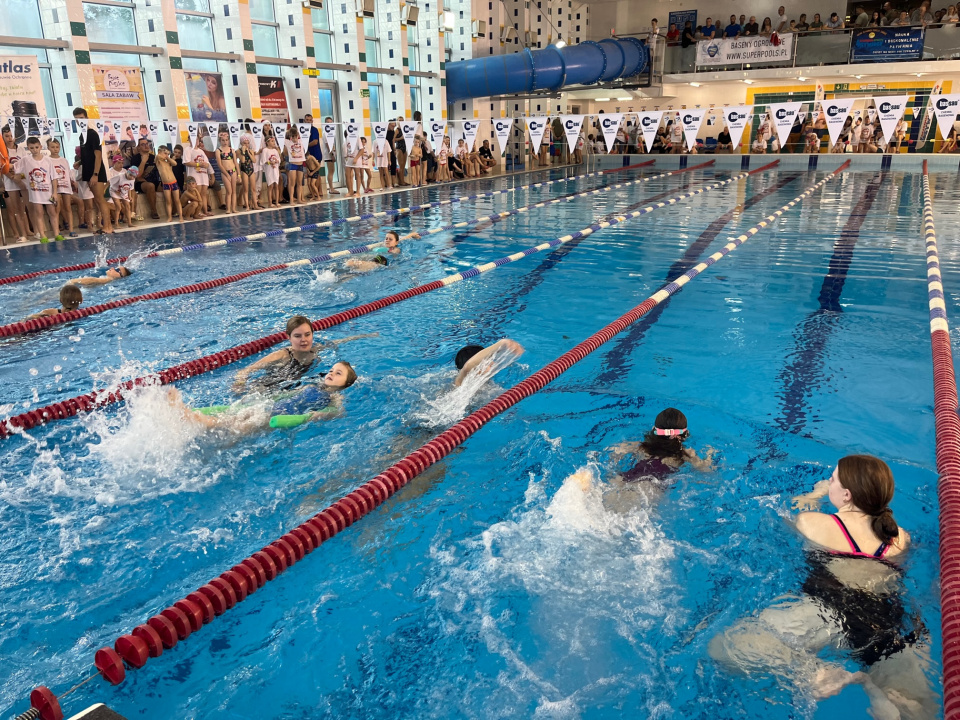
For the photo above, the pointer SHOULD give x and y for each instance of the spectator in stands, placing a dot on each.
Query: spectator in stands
(803, 25)
(724, 141)
(862, 18)
(953, 15)
(673, 35)
(689, 35)
(817, 24)
(767, 28)
(743, 20)
(148, 178)
(733, 29)
(903, 20)
(834, 23)
(717, 28)
(876, 20)
(782, 22)
(812, 145)
(922, 16)
(751, 28)
(707, 31)
(889, 14)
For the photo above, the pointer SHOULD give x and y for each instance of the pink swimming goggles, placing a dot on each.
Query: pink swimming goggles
(669, 432)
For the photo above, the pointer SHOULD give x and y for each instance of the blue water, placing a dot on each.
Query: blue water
(489, 587)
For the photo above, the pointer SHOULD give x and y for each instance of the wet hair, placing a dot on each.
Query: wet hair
(394, 233)
(870, 483)
(666, 446)
(124, 271)
(351, 373)
(70, 294)
(295, 322)
(464, 355)
(381, 260)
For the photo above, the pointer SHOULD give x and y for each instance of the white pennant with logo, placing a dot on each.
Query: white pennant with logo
(691, 120)
(101, 127)
(234, 129)
(67, 131)
(330, 135)
(609, 124)
(192, 130)
(213, 129)
(352, 130)
(82, 129)
(536, 127)
(737, 118)
(153, 130)
(256, 132)
(571, 128)
(134, 128)
(304, 130)
(784, 115)
(890, 111)
(501, 128)
(409, 129)
(946, 108)
(836, 113)
(438, 130)
(649, 124)
(470, 130)
(280, 133)
(379, 135)
(117, 130)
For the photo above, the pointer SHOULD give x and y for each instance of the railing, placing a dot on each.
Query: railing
(810, 49)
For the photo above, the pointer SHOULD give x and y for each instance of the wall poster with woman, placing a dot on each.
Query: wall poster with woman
(207, 100)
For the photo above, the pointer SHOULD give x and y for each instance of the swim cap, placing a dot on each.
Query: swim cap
(133, 170)
(463, 357)
(380, 260)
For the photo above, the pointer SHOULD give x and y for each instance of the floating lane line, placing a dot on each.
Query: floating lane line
(48, 321)
(84, 403)
(315, 226)
(948, 461)
(200, 607)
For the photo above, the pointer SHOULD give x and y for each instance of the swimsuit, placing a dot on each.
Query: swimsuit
(171, 186)
(285, 375)
(854, 548)
(246, 165)
(310, 399)
(651, 469)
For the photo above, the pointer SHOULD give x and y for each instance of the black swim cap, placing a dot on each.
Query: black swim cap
(465, 354)
(380, 260)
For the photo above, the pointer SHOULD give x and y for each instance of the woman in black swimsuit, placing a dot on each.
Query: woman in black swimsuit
(852, 601)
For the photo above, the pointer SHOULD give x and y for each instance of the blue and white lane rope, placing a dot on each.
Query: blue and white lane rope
(380, 214)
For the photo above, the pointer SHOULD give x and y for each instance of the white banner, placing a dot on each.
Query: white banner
(304, 130)
(501, 128)
(470, 130)
(735, 51)
(890, 111)
(438, 130)
(134, 127)
(649, 124)
(234, 130)
(784, 115)
(409, 130)
(117, 130)
(946, 108)
(67, 131)
(213, 129)
(280, 132)
(153, 130)
(81, 129)
(536, 126)
(352, 131)
(871, 114)
(692, 120)
(379, 135)
(571, 127)
(256, 132)
(609, 124)
(330, 135)
(101, 127)
(192, 130)
(737, 118)
(172, 129)
(836, 112)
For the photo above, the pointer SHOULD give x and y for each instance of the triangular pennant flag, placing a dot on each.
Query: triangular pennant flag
(117, 127)
(304, 130)
(45, 126)
(193, 129)
(256, 133)
(352, 131)
(280, 132)
(153, 130)
(784, 115)
(213, 130)
(890, 111)
(946, 108)
(438, 130)
(67, 124)
(408, 129)
(536, 127)
(501, 128)
(926, 121)
(101, 127)
(571, 128)
(871, 114)
(737, 118)
(649, 124)
(234, 130)
(470, 130)
(330, 135)
(134, 127)
(25, 124)
(82, 129)
(379, 135)
(836, 112)
(692, 120)
(609, 125)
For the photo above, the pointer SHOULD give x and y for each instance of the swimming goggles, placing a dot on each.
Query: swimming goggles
(669, 432)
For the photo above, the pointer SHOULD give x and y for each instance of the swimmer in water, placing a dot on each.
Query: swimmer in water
(286, 366)
(70, 299)
(471, 357)
(311, 402)
(661, 452)
(365, 266)
(391, 243)
(120, 271)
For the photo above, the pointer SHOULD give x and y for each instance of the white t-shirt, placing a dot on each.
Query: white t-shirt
(62, 168)
(295, 152)
(121, 186)
(40, 178)
(782, 22)
(271, 165)
(85, 192)
(190, 157)
(15, 168)
(676, 133)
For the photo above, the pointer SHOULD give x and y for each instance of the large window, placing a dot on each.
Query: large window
(21, 18)
(112, 24)
(372, 50)
(264, 31)
(322, 40)
(195, 28)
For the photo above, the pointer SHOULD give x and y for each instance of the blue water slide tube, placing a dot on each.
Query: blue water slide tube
(549, 69)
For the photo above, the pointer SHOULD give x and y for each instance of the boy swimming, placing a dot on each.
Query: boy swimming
(70, 299)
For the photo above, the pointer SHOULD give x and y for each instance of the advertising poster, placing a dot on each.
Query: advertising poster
(680, 18)
(206, 97)
(21, 94)
(734, 51)
(273, 100)
(887, 44)
(120, 96)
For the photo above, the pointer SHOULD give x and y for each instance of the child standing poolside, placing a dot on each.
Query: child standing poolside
(314, 183)
(383, 164)
(65, 185)
(42, 189)
(271, 171)
(168, 181)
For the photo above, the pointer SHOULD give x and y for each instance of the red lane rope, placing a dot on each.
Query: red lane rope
(89, 401)
(219, 595)
(219, 243)
(945, 406)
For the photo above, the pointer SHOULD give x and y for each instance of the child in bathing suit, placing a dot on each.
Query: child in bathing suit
(70, 299)
(661, 452)
(120, 271)
(471, 357)
(171, 190)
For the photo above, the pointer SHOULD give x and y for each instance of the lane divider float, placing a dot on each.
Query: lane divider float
(947, 422)
(49, 321)
(190, 614)
(315, 226)
(96, 399)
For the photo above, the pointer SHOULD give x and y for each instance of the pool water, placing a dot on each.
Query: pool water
(492, 586)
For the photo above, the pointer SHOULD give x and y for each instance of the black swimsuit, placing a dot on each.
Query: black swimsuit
(651, 469)
(285, 375)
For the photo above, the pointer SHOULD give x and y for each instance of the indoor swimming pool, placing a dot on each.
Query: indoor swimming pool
(493, 585)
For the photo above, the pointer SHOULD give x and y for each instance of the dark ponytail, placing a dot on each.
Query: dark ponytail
(870, 483)
(884, 526)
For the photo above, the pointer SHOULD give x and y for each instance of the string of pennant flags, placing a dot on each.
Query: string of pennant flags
(887, 110)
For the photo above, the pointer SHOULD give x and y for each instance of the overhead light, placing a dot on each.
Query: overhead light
(625, 98)
(694, 84)
(448, 20)
(749, 82)
(919, 74)
(603, 99)
(858, 76)
(560, 43)
(802, 79)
